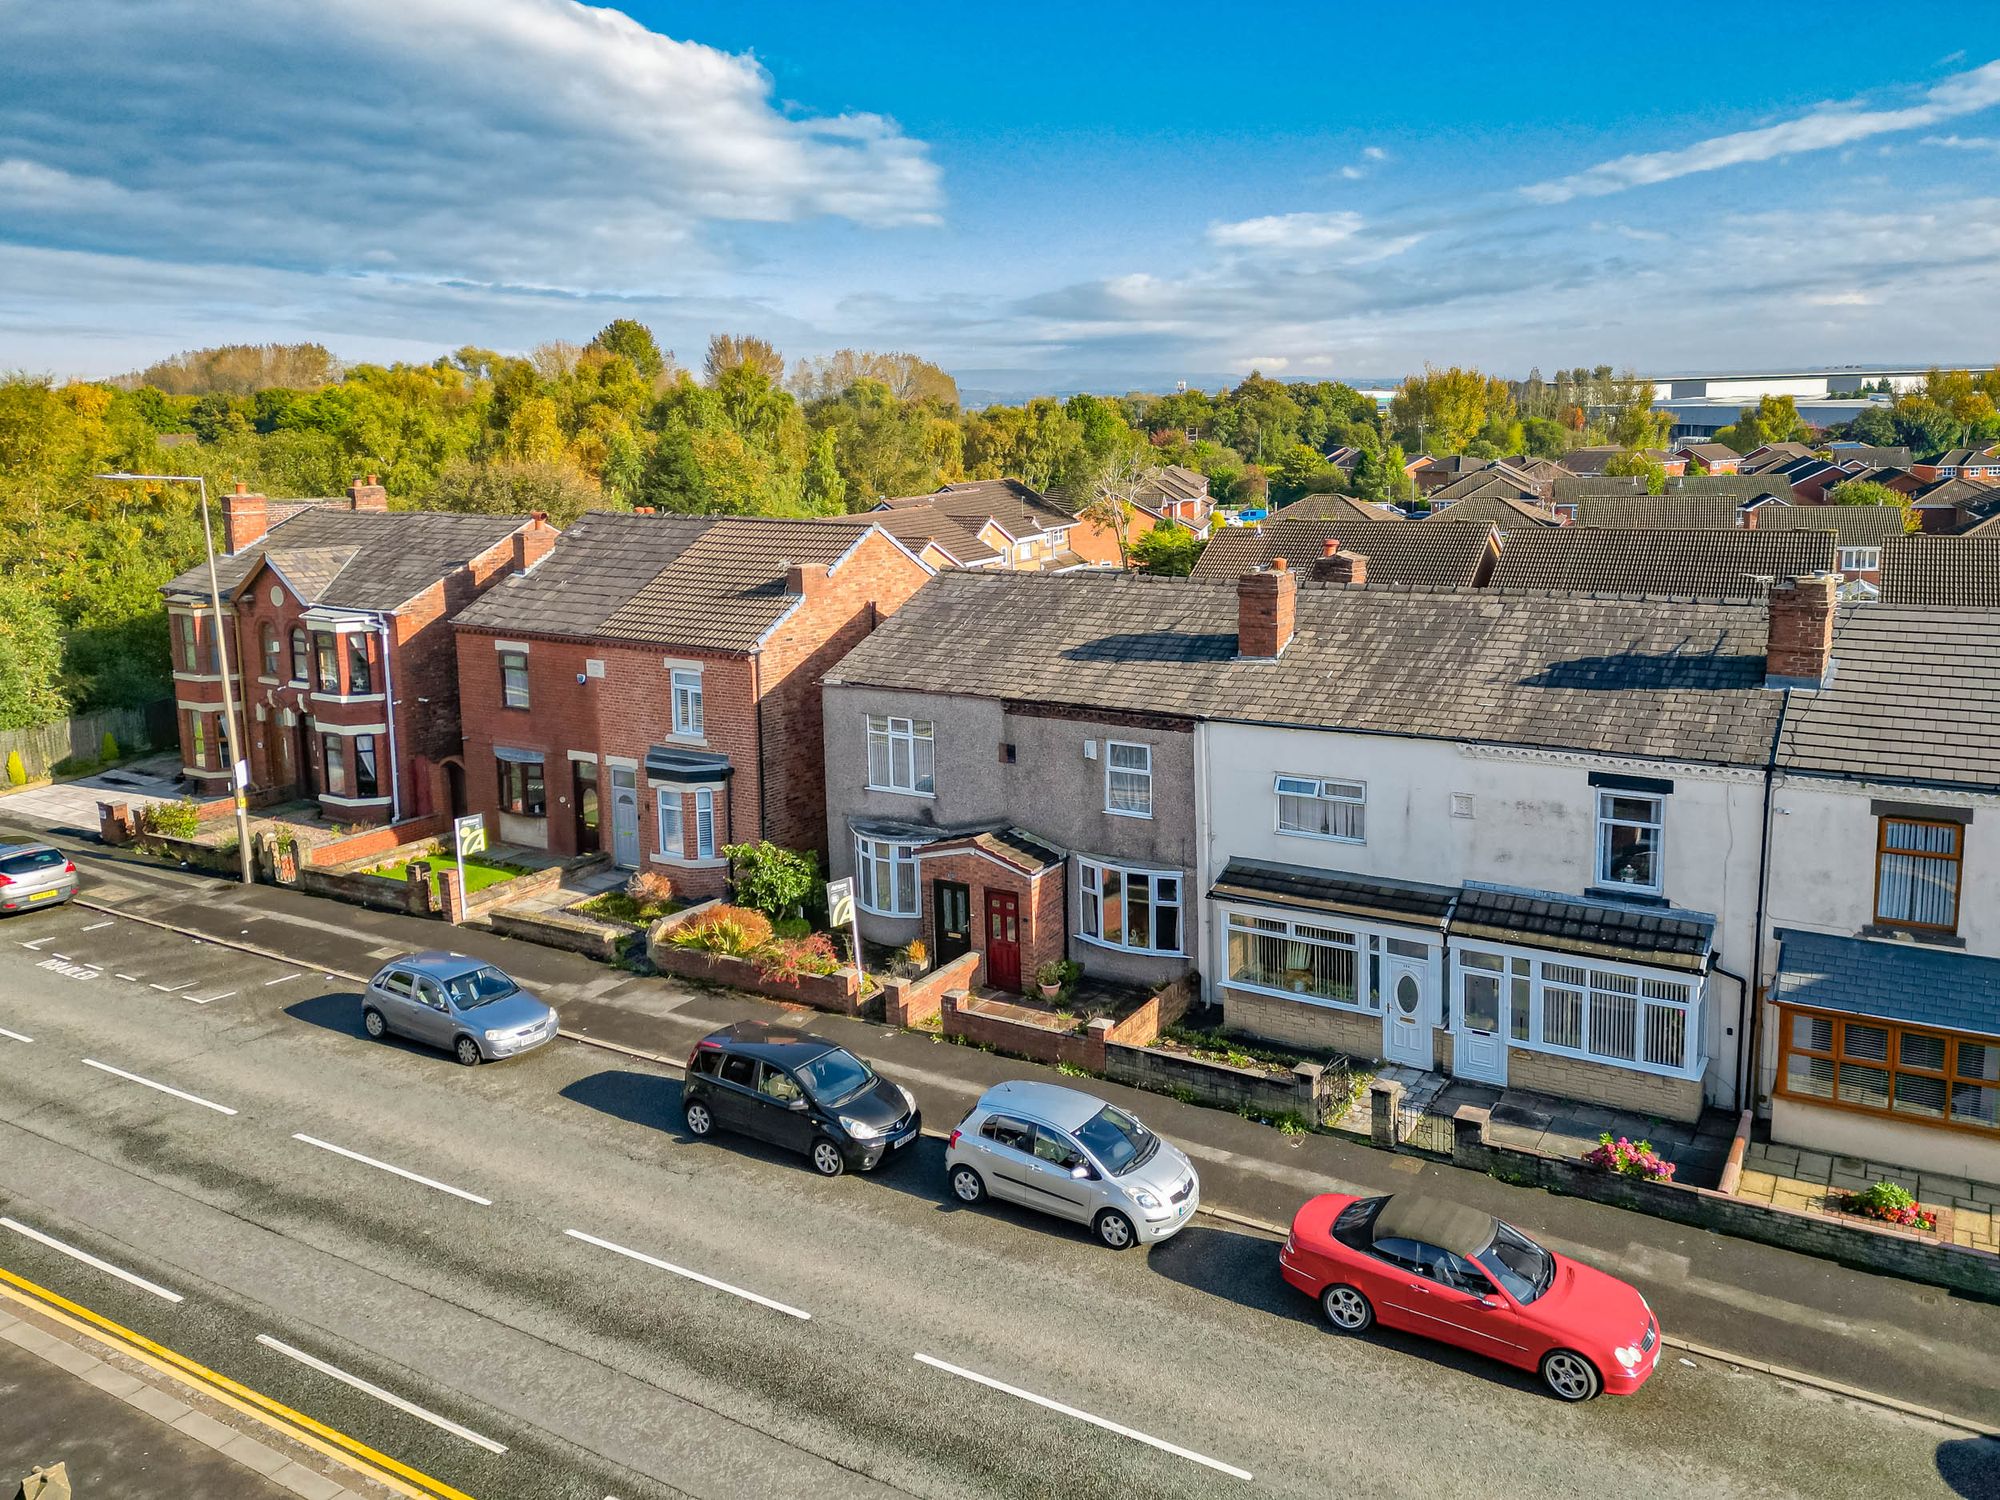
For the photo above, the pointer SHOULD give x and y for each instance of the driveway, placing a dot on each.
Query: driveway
(71, 806)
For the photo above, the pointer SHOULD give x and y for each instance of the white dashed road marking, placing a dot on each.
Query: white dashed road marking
(710, 1281)
(168, 989)
(209, 999)
(90, 1260)
(423, 1415)
(15, 1036)
(221, 1109)
(279, 980)
(130, 978)
(1083, 1416)
(95, 925)
(369, 1161)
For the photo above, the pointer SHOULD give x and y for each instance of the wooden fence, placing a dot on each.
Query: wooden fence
(42, 745)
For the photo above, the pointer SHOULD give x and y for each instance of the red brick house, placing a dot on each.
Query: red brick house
(652, 688)
(340, 647)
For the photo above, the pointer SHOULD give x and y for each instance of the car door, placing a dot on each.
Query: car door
(731, 1100)
(782, 1125)
(394, 994)
(1057, 1159)
(1401, 1291)
(1008, 1146)
(431, 1015)
(1473, 1313)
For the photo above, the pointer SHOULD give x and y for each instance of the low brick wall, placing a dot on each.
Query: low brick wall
(1297, 1023)
(1606, 1084)
(377, 892)
(911, 1002)
(194, 855)
(377, 844)
(839, 992)
(1301, 1092)
(1895, 1252)
(1044, 1044)
(598, 940)
(520, 887)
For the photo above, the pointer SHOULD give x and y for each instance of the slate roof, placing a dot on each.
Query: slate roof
(1658, 679)
(1873, 456)
(1398, 552)
(349, 559)
(1889, 981)
(1680, 564)
(1741, 487)
(1589, 461)
(1652, 935)
(715, 582)
(1503, 511)
(1658, 512)
(1020, 509)
(1915, 696)
(1855, 525)
(1337, 507)
(1959, 571)
(1311, 889)
(1011, 846)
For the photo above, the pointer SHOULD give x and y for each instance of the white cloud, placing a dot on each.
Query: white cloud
(1353, 174)
(1374, 153)
(1842, 299)
(527, 142)
(1827, 126)
(1290, 232)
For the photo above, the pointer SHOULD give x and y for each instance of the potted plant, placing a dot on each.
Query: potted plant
(1049, 978)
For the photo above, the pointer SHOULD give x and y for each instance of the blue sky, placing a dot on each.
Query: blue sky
(1030, 195)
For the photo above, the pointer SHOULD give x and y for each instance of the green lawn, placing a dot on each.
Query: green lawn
(479, 874)
(620, 907)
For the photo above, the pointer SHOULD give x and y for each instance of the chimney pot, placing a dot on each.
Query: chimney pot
(1330, 546)
(367, 495)
(1279, 565)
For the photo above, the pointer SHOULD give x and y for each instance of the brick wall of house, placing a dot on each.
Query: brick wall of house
(1620, 1088)
(1294, 1023)
(1042, 905)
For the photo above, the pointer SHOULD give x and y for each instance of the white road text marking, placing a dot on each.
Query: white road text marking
(1084, 1416)
(221, 1109)
(381, 1395)
(710, 1281)
(369, 1161)
(66, 969)
(90, 1260)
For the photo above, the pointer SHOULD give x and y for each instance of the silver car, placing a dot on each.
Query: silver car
(35, 875)
(1075, 1156)
(461, 1004)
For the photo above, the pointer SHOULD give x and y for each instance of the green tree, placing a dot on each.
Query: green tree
(1638, 462)
(1868, 492)
(772, 879)
(31, 658)
(825, 489)
(514, 488)
(1543, 437)
(632, 341)
(1168, 549)
(1926, 428)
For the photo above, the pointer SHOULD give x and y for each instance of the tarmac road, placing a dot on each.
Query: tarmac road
(474, 1297)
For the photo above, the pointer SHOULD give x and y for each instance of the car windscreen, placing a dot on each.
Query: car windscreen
(1524, 1268)
(1118, 1141)
(835, 1077)
(31, 863)
(480, 987)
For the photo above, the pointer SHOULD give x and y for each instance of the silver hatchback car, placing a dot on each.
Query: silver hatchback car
(1072, 1155)
(35, 875)
(461, 1004)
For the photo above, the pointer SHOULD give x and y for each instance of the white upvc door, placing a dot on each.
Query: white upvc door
(1479, 1030)
(1406, 1011)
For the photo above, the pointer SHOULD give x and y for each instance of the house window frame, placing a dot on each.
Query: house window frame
(514, 664)
(685, 704)
(302, 655)
(1607, 799)
(1144, 775)
(326, 663)
(1090, 927)
(333, 764)
(360, 665)
(270, 648)
(1860, 559)
(667, 801)
(704, 822)
(873, 857)
(1312, 935)
(1527, 982)
(365, 777)
(1319, 793)
(1955, 859)
(1892, 1063)
(918, 746)
(519, 787)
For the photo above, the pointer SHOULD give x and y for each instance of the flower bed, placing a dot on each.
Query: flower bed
(1629, 1159)
(1890, 1204)
(732, 946)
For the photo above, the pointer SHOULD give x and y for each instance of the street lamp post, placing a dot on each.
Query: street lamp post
(239, 747)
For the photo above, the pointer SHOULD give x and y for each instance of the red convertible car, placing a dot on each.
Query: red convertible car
(1449, 1272)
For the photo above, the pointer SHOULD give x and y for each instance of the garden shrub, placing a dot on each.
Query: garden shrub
(1892, 1204)
(17, 769)
(787, 959)
(732, 930)
(1629, 1159)
(171, 820)
(107, 748)
(771, 879)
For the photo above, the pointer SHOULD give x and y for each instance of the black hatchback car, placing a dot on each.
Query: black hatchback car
(797, 1091)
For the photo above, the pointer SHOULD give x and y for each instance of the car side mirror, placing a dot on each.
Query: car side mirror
(1490, 1301)
(1081, 1172)
(799, 1103)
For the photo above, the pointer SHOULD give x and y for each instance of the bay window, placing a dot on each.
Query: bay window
(333, 756)
(1137, 910)
(1294, 958)
(1886, 1068)
(1593, 1011)
(1320, 809)
(301, 655)
(902, 754)
(886, 877)
(669, 807)
(326, 661)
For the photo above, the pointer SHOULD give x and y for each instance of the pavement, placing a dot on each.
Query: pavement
(535, 1285)
(71, 806)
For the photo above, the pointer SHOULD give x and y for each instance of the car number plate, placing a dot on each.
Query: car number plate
(43, 895)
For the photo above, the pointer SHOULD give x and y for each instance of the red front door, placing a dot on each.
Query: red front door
(1003, 940)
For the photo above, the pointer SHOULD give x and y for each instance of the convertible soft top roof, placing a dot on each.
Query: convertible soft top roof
(1434, 1221)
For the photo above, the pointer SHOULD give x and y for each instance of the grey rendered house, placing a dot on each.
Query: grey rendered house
(974, 814)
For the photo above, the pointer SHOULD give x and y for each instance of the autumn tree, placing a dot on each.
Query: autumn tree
(728, 351)
(633, 341)
(1637, 462)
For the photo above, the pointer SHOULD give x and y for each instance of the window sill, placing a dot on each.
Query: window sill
(1692, 1073)
(1935, 938)
(1084, 937)
(347, 697)
(894, 916)
(1324, 838)
(677, 862)
(333, 801)
(1640, 895)
(1118, 812)
(900, 791)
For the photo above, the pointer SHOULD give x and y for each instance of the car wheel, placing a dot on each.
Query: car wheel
(468, 1052)
(1346, 1309)
(699, 1121)
(826, 1158)
(373, 1024)
(1115, 1230)
(1569, 1375)
(966, 1185)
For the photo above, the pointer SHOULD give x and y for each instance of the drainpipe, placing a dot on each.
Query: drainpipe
(1746, 1097)
(389, 721)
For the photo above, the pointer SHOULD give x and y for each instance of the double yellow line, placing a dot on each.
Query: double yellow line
(296, 1425)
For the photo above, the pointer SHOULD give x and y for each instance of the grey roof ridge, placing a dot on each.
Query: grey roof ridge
(861, 536)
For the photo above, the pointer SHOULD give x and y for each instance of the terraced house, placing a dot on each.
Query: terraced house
(652, 689)
(339, 619)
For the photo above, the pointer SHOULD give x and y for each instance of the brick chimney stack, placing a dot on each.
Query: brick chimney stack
(807, 580)
(533, 541)
(1266, 602)
(245, 519)
(1346, 568)
(367, 495)
(1799, 650)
